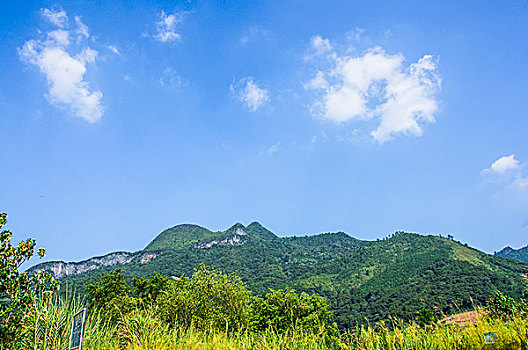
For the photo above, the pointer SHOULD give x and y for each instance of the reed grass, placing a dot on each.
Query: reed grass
(48, 322)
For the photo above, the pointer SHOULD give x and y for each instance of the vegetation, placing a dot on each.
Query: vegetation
(397, 276)
(208, 300)
(47, 322)
(214, 310)
(17, 288)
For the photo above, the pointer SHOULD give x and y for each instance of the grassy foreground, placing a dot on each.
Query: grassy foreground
(48, 322)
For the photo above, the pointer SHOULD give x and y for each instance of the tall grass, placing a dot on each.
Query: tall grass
(48, 322)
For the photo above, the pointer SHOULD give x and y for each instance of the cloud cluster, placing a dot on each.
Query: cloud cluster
(509, 170)
(250, 94)
(57, 17)
(54, 55)
(166, 27)
(376, 86)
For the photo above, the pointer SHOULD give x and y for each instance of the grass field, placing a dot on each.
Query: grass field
(47, 326)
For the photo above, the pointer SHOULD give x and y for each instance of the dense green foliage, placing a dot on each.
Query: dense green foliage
(147, 290)
(111, 296)
(505, 307)
(285, 310)
(17, 289)
(47, 322)
(360, 279)
(208, 299)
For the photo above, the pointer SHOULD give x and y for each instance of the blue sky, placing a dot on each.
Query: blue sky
(122, 118)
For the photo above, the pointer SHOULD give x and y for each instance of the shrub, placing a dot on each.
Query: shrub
(284, 310)
(209, 300)
(426, 317)
(111, 296)
(17, 289)
(504, 307)
(147, 289)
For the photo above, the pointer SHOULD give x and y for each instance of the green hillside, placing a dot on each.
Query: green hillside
(520, 254)
(371, 280)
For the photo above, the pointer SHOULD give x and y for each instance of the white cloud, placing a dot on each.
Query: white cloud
(274, 148)
(320, 45)
(319, 82)
(166, 27)
(63, 69)
(61, 37)
(504, 164)
(376, 86)
(271, 149)
(57, 17)
(250, 94)
(82, 29)
(114, 49)
(507, 169)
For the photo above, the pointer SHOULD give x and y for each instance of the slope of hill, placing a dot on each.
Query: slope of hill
(520, 254)
(395, 276)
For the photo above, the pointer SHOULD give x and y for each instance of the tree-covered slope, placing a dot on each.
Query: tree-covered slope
(396, 276)
(519, 254)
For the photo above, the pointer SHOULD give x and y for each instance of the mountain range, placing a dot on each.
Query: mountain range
(362, 280)
(519, 254)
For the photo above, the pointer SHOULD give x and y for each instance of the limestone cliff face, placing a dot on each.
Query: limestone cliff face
(61, 269)
(238, 236)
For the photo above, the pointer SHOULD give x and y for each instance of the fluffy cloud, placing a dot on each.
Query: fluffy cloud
(507, 169)
(321, 45)
(504, 164)
(166, 27)
(376, 86)
(82, 29)
(250, 94)
(64, 70)
(57, 17)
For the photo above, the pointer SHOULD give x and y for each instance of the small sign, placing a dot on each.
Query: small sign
(489, 338)
(77, 331)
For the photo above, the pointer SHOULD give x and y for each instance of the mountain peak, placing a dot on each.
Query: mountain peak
(519, 254)
(179, 235)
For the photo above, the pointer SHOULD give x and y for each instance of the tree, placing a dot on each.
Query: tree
(284, 310)
(209, 299)
(111, 296)
(17, 289)
(505, 307)
(147, 289)
(525, 293)
(426, 317)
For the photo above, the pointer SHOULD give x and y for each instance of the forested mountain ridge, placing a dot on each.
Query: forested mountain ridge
(395, 276)
(519, 254)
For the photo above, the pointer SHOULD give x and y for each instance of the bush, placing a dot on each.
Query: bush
(209, 300)
(284, 310)
(504, 307)
(426, 317)
(147, 289)
(111, 296)
(17, 289)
